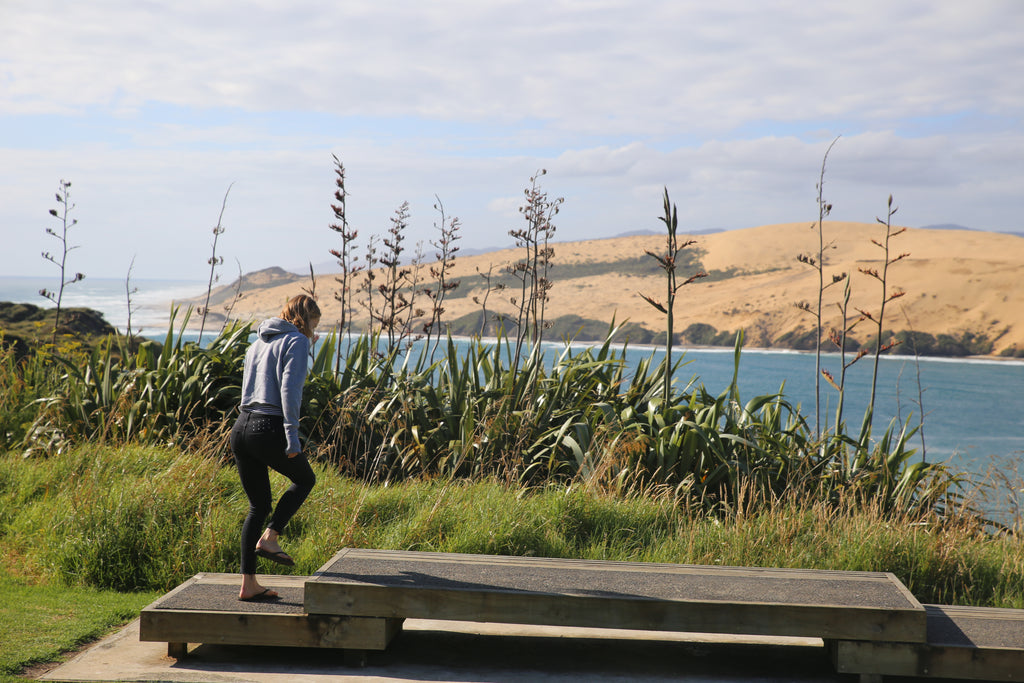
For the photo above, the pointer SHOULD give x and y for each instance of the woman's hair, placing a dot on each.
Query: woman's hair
(301, 311)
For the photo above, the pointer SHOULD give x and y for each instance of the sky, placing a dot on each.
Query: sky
(156, 111)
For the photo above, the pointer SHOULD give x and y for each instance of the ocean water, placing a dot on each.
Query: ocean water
(973, 409)
(151, 299)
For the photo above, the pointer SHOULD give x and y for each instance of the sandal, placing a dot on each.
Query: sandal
(281, 557)
(261, 596)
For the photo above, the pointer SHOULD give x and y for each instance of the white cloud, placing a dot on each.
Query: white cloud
(651, 64)
(157, 107)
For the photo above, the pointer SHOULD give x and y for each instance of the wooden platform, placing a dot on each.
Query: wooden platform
(645, 596)
(358, 600)
(206, 609)
(963, 642)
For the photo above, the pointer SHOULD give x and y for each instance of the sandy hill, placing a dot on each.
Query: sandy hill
(955, 282)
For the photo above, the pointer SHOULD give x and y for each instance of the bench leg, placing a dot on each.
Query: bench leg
(177, 650)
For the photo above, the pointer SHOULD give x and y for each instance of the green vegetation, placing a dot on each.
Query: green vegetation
(24, 327)
(147, 518)
(472, 413)
(1012, 352)
(39, 621)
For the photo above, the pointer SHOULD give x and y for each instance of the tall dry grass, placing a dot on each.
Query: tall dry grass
(149, 517)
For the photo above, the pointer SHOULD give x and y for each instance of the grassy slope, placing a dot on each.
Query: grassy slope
(135, 518)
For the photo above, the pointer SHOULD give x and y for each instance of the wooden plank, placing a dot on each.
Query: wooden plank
(963, 642)
(299, 630)
(646, 596)
(205, 609)
(916, 659)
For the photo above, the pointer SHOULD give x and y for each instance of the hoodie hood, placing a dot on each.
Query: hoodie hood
(272, 327)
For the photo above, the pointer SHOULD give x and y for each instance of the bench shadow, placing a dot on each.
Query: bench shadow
(437, 655)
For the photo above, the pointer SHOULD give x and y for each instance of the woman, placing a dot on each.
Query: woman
(266, 434)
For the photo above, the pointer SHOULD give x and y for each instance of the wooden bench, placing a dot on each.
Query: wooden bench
(359, 599)
(206, 609)
(623, 595)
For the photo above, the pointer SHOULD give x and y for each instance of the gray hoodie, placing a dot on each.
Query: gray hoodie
(275, 370)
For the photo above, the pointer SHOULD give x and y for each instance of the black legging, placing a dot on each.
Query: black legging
(258, 442)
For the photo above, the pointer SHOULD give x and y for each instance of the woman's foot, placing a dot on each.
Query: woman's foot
(267, 547)
(265, 594)
(252, 591)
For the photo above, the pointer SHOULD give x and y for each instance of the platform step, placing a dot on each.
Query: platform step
(625, 595)
(206, 609)
(973, 643)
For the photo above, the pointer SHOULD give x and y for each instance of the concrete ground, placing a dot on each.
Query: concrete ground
(460, 652)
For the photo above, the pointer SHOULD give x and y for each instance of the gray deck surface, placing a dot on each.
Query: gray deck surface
(615, 579)
(975, 627)
(223, 597)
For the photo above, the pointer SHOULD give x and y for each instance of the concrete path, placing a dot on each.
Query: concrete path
(461, 652)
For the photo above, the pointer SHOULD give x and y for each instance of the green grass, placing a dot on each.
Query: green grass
(145, 518)
(39, 622)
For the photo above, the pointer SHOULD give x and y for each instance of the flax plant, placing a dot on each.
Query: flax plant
(673, 284)
(414, 287)
(213, 262)
(490, 285)
(446, 249)
(818, 263)
(840, 338)
(396, 295)
(577, 417)
(128, 292)
(238, 295)
(533, 270)
(66, 223)
(883, 279)
(919, 399)
(525, 415)
(368, 285)
(159, 392)
(346, 256)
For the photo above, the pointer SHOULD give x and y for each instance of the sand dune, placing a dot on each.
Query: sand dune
(954, 281)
